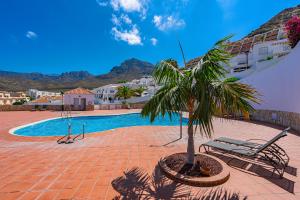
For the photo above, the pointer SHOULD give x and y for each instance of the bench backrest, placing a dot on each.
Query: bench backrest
(273, 140)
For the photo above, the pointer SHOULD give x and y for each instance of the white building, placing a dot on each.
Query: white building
(106, 94)
(145, 81)
(279, 89)
(36, 94)
(260, 56)
(8, 98)
(46, 101)
(257, 53)
(79, 99)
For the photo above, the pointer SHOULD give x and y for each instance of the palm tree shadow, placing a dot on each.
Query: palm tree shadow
(171, 142)
(218, 194)
(165, 145)
(137, 184)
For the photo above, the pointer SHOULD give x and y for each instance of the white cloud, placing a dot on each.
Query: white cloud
(165, 23)
(131, 6)
(154, 41)
(102, 3)
(118, 21)
(126, 19)
(228, 7)
(127, 5)
(31, 35)
(131, 36)
(115, 20)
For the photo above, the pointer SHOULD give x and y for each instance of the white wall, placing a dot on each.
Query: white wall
(69, 98)
(279, 85)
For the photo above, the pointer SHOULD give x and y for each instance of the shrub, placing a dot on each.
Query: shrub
(20, 102)
(292, 28)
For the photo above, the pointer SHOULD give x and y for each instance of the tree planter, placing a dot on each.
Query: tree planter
(216, 179)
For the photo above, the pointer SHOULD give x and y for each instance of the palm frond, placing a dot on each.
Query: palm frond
(167, 71)
(234, 96)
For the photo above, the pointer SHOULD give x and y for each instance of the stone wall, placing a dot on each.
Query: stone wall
(16, 108)
(286, 119)
(4, 108)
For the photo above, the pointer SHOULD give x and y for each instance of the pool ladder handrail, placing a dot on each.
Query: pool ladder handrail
(83, 133)
(66, 114)
(68, 137)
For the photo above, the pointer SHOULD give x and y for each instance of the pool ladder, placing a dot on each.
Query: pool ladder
(67, 139)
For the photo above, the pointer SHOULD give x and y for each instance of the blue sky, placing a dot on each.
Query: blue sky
(54, 36)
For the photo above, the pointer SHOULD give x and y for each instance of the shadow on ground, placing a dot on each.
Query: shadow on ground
(260, 169)
(137, 184)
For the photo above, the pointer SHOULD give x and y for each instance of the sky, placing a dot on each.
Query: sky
(55, 36)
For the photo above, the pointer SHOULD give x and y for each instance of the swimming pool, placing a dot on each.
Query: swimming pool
(59, 126)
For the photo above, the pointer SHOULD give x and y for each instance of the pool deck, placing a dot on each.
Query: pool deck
(39, 168)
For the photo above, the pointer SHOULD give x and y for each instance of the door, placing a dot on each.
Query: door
(76, 103)
(83, 104)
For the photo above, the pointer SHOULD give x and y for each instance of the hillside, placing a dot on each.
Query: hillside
(245, 44)
(277, 21)
(127, 70)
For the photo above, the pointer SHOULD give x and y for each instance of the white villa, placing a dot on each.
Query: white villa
(257, 53)
(36, 94)
(106, 94)
(79, 99)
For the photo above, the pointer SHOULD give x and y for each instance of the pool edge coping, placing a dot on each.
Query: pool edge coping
(12, 130)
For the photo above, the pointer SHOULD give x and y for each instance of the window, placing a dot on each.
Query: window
(286, 48)
(76, 101)
(263, 51)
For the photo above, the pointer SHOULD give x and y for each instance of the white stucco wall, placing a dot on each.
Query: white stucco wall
(279, 85)
(69, 98)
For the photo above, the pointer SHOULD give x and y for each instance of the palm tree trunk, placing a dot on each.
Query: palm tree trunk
(191, 146)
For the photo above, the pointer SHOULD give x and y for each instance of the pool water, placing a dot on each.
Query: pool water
(58, 127)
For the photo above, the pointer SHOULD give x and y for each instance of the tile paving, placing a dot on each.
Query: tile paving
(95, 168)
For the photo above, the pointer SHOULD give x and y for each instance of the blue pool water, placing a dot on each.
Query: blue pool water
(58, 127)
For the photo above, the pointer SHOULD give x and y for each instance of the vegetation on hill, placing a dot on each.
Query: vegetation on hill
(293, 30)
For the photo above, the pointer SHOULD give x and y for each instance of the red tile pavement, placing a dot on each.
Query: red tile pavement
(39, 168)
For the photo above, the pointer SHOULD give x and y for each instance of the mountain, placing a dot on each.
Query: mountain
(277, 21)
(127, 70)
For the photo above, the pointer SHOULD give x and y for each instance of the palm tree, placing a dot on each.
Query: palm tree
(201, 90)
(139, 91)
(124, 92)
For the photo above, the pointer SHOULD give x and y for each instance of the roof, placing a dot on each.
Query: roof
(79, 91)
(193, 62)
(47, 99)
(244, 45)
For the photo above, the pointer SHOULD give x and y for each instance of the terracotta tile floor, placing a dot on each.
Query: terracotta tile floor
(114, 163)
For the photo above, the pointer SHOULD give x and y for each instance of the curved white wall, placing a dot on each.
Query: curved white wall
(279, 85)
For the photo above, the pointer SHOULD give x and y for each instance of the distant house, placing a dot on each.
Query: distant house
(8, 98)
(107, 94)
(46, 101)
(36, 94)
(79, 99)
